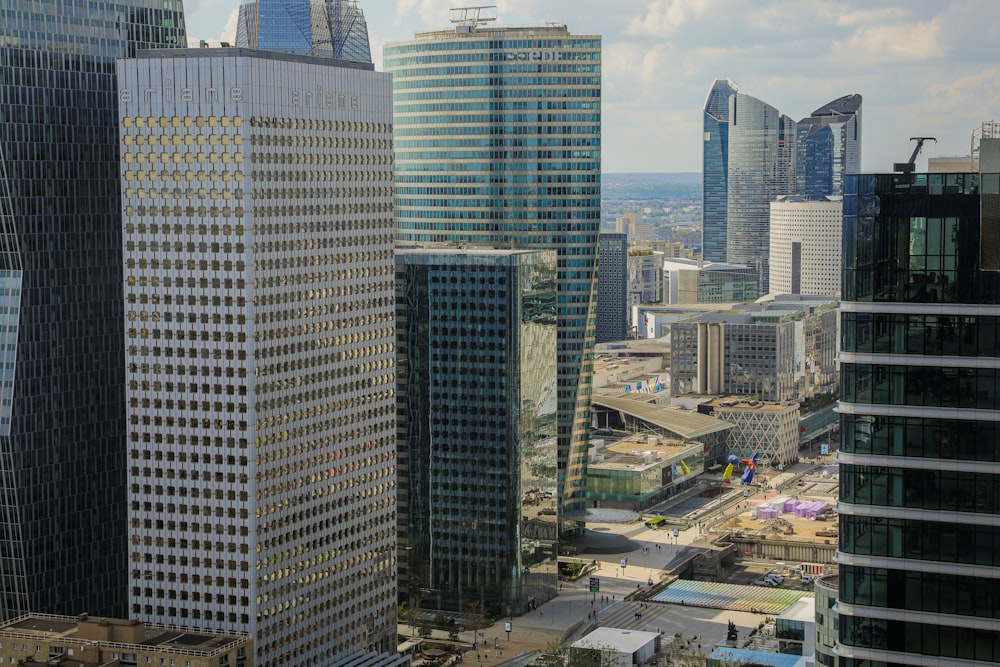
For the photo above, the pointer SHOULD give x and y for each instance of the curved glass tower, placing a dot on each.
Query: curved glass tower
(333, 28)
(715, 170)
(62, 385)
(497, 138)
(828, 147)
(761, 167)
(920, 460)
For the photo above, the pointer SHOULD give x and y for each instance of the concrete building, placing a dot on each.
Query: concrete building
(805, 245)
(524, 173)
(780, 351)
(62, 406)
(770, 429)
(614, 647)
(920, 407)
(258, 245)
(612, 288)
(691, 281)
(634, 227)
(476, 399)
(44, 640)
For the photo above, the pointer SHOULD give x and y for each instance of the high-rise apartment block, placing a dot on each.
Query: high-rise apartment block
(498, 142)
(920, 403)
(612, 288)
(258, 251)
(476, 341)
(332, 28)
(805, 245)
(62, 414)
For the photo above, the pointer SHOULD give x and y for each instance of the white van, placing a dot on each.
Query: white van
(775, 577)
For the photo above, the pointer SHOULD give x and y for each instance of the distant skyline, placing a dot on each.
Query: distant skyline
(924, 68)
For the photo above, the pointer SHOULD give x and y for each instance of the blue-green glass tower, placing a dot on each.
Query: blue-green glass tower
(497, 137)
(715, 170)
(62, 400)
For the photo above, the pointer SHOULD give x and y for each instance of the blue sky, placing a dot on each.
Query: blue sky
(924, 68)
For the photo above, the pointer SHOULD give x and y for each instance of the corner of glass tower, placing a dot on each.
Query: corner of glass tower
(330, 28)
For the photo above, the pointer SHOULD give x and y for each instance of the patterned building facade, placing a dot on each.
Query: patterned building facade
(260, 351)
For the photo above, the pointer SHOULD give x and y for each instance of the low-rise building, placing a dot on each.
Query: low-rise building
(693, 281)
(615, 647)
(637, 471)
(770, 429)
(81, 641)
(826, 589)
(795, 628)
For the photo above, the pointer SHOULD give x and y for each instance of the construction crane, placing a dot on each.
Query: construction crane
(911, 166)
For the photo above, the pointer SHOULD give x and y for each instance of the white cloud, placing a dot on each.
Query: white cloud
(905, 42)
(665, 17)
(229, 31)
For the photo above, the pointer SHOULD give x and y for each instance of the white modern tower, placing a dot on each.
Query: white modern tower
(805, 250)
(258, 237)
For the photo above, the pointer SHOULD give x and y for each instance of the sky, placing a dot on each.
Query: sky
(924, 67)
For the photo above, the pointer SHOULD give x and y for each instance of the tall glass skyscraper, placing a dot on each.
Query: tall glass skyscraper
(715, 170)
(761, 167)
(333, 28)
(497, 138)
(62, 399)
(920, 461)
(476, 346)
(828, 147)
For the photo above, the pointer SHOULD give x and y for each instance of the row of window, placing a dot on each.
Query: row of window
(918, 386)
(920, 540)
(919, 591)
(921, 438)
(921, 639)
(971, 336)
(936, 490)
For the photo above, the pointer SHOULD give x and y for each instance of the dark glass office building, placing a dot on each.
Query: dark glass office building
(476, 429)
(62, 399)
(920, 461)
(612, 288)
(498, 141)
(828, 147)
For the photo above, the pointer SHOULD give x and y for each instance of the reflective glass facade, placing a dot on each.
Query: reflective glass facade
(715, 170)
(497, 138)
(62, 405)
(761, 167)
(260, 367)
(476, 336)
(829, 147)
(333, 28)
(920, 404)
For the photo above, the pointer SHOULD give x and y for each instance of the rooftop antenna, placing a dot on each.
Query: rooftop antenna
(911, 166)
(466, 19)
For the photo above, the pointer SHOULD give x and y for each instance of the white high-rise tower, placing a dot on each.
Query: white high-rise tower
(258, 236)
